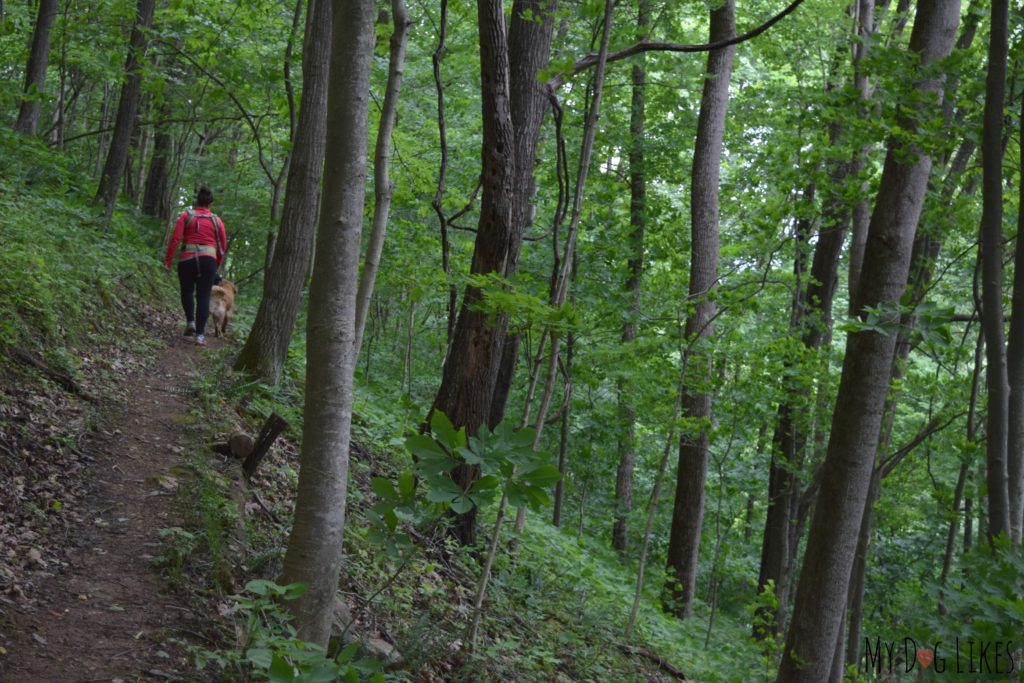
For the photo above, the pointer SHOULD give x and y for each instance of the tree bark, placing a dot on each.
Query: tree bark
(856, 421)
(128, 105)
(266, 348)
(383, 187)
(637, 221)
(156, 195)
(1015, 374)
(471, 366)
(563, 436)
(812, 318)
(315, 543)
(688, 511)
(530, 32)
(35, 70)
(992, 274)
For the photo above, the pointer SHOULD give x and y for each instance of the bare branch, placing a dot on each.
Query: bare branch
(590, 60)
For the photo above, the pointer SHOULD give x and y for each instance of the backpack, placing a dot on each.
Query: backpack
(192, 219)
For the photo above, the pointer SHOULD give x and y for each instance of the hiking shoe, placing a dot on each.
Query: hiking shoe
(190, 329)
(200, 340)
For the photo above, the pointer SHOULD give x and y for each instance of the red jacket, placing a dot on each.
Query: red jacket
(205, 229)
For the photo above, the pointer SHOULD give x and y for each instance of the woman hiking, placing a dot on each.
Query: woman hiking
(203, 241)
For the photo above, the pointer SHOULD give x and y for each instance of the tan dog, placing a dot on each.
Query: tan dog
(222, 306)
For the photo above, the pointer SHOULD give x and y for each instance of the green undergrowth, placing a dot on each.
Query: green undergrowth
(557, 605)
(69, 279)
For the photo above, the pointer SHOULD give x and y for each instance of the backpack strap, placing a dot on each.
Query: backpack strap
(192, 219)
(217, 224)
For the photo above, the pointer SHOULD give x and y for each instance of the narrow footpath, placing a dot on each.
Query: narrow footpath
(110, 615)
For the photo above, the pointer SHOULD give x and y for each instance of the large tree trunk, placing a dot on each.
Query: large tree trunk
(128, 105)
(529, 36)
(812, 317)
(688, 511)
(314, 546)
(382, 185)
(471, 367)
(857, 419)
(35, 70)
(637, 220)
(992, 273)
(266, 348)
(1015, 373)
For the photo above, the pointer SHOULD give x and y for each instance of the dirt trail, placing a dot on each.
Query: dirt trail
(110, 615)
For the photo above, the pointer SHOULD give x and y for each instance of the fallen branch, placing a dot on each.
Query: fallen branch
(61, 378)
(272, 428)
(662, 663)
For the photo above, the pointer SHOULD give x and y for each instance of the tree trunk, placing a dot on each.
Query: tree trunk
(637, 220)
(383, 187)
(1015, 374)
(156, 196)
(858, 578)
(471, 366)
(563, 437)
(992, 274)
(856, 421)
(266, 348)
(812, 317)
(314, 545)
(35, 70)
(530, 30)
(128, 105)
(688, 511)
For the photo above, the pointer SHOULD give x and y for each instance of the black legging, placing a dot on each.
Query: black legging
(196, 276)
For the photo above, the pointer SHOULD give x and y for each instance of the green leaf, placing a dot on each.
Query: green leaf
(280, 670)
(406, 485)
(469, 456)
(441, 489)
(485, 483)
(462, 504)
(347, 653)
(263, 587)
(425, 448)
(524, 438)
(259, 657)
(384, 488)
(445, 431)
(544, 475)
(422, 446)
(294, 590)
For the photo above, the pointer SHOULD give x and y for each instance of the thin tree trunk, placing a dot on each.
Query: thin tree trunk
(266, 348)
(564, 270)
(637, 220)
(865, 27)
(128, 105)
(563, 439)
(688, 510)
(314, 545)
(383, 186)
(35, 70)
(856, 422)
(992, 274)
(156, 196)
(407, 355)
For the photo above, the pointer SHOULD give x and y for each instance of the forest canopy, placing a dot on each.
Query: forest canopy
(717, 308)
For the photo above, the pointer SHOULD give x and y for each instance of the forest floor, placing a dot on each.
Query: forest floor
(93, 605)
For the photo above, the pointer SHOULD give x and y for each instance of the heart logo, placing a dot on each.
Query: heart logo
(925, 657)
